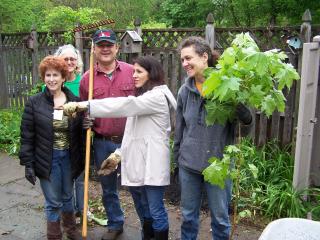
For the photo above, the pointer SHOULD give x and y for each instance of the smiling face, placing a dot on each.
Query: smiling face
(140, 75)
(53, 80)
(70, 57)
(193, 63)
(105, 52)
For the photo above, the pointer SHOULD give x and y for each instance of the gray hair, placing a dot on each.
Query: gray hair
(200, 47)
(61, 50)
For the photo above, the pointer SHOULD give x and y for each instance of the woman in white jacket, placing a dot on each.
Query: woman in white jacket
(144, 153)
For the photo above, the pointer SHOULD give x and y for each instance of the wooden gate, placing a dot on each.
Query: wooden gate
(307, 147)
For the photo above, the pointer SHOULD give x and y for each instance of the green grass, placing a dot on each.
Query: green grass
(10, 120)
(271, 194)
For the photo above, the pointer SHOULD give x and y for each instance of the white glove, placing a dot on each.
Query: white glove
(110, 164)
(71, 108)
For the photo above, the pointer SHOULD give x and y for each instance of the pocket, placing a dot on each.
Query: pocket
(127, 89)
(135, 166)
(98, 93)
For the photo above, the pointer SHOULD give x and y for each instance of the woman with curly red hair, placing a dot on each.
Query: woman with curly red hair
(51, 147)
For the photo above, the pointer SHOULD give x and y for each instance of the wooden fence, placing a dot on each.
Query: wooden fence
(20, 54)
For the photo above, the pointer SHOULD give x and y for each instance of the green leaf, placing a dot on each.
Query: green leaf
(217, 172)
(227, 88)
(218, 112)
(212, 82)
(268, 105)
(279, 100)
(256, 95)
(286, 75)
(259, 62)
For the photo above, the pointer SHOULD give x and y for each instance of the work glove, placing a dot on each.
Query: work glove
(243, 114)
(110, 164)
(30, 175)
(87, 122)
(70, 109)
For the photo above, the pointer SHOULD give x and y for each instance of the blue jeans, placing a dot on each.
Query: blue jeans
(148, 201)
(218, 201)
(78, 193)
(110, 199)
(57, 190)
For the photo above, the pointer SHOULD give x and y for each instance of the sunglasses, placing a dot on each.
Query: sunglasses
(71, 59)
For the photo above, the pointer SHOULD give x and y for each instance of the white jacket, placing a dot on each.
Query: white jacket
(145, 152)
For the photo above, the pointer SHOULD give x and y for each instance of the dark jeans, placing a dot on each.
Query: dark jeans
(102, 150)
(218, 201)
(148, 201)
(58, 189)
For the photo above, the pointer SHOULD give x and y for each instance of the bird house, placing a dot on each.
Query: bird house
(131, 42)
(294, 42)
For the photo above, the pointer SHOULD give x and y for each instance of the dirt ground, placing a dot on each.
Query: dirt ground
(246, 230)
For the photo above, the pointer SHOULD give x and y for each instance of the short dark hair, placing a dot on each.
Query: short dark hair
(200, 47)
(53, 62)
(155, 72)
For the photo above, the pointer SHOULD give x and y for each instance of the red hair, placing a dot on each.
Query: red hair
(53, 62)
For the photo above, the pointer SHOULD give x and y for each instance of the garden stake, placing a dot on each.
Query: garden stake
(88, 146)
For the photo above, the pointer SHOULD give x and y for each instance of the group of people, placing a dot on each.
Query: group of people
(130, 118)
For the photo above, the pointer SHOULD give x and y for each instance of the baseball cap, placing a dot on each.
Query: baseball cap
(104, 35)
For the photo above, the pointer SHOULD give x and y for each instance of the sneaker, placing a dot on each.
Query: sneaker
(111, 234)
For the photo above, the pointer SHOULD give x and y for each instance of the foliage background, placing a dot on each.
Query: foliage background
(20, 15)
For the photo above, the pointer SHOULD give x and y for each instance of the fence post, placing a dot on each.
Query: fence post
(305, 29)
(4, 101)
(137, 26)
(35, 55)
(210, 35)
(79, 41)
(305, 36)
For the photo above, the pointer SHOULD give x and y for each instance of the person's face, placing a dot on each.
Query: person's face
(140, 75)
(70, 57)
(53, 80)
(105, 52)
(193, 63)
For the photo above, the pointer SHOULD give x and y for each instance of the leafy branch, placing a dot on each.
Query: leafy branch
(246, 75)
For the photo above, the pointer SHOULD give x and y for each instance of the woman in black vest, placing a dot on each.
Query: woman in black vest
(51, 147)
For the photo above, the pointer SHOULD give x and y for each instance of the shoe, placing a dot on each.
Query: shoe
(162, 235)
(54, 231)
(147, 230)
(69, 226)
(111, 234)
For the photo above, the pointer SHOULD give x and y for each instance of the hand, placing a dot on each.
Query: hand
(110, 164)
(71, 108)
(87, 122)
(30, 175)
(243, 113)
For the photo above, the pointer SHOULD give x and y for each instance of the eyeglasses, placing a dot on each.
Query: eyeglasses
(71, 59)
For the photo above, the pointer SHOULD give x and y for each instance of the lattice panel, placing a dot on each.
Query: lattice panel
(167, 38)
(266, 38)
(51, 39)
(13, 40)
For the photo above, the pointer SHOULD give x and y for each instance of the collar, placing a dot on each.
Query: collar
(97, 68)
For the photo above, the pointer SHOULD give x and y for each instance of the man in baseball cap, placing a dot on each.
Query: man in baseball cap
(104, 35)
(112, 78)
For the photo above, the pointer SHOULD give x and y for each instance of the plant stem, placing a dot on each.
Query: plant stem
(236, 187)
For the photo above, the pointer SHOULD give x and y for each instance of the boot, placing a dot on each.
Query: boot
(148, 232)
(163, 235)
(69, 226)
(54, 231)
